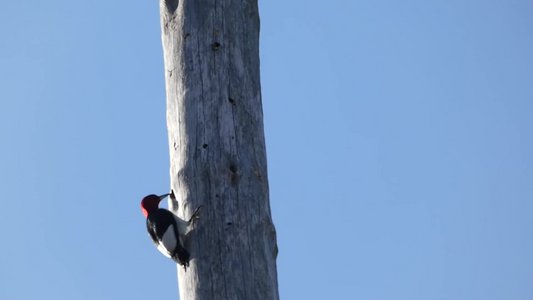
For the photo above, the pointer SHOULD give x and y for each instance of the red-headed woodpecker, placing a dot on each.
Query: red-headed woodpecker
(168, 231)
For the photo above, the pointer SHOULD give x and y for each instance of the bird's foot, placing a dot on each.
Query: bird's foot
(196, 214)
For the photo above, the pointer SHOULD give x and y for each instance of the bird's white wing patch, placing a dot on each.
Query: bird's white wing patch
(168, 242)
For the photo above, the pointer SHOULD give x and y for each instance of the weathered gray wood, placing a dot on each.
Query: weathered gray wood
(217, 147)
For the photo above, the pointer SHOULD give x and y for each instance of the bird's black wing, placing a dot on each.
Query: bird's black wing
(159, 223)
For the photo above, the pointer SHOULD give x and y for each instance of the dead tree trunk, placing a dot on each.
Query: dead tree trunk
(217, 147)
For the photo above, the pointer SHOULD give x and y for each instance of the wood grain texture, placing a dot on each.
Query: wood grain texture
(217, 147)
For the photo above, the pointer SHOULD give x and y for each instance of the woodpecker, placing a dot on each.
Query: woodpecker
(168, 231)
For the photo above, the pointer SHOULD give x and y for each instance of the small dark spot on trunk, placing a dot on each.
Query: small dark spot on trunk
(215, 46)
(175, 145)
(229, 223)
(231, 100)
(234, 177)
(187, 35)
(204, 146)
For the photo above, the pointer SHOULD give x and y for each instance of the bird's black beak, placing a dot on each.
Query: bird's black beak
(164, 196)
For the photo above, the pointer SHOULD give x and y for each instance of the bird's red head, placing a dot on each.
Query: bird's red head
(151, 203)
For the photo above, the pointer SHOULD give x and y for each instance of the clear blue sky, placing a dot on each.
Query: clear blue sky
(399, 135)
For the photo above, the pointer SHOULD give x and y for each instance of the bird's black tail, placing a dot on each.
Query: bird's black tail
(182, 257)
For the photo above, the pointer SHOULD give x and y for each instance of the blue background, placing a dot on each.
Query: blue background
(399, 139)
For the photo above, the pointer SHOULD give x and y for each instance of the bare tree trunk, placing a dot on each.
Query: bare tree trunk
(217, 147)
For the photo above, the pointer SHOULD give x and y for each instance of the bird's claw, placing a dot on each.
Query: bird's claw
(196, 214)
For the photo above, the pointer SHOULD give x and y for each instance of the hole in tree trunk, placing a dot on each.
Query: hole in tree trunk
(215, 46)
(234, 177)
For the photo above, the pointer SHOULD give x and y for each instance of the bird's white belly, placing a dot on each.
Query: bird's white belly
(168, 242)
